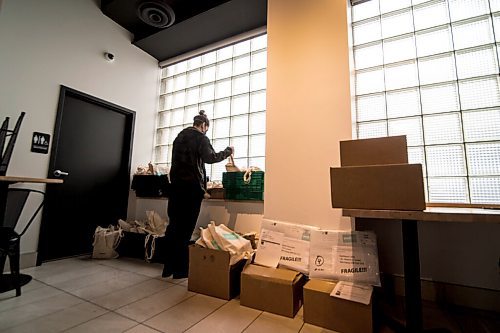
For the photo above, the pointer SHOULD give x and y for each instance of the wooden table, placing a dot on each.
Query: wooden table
(409, 220)
(6, 181)
(20, 179)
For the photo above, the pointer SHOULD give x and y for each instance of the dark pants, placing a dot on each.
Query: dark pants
(183, 209)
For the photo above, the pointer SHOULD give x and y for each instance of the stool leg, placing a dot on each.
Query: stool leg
(3, 257)
(14, 267)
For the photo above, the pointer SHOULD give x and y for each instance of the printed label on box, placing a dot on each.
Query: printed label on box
(353, 292)
(345, 256)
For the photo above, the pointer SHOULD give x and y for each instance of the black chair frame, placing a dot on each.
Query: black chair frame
(6, 151)
(10, 240)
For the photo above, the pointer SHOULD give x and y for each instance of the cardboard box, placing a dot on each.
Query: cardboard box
(386, 150)
(273, 290)
(210, 273)
(333, 313)
(392, 186)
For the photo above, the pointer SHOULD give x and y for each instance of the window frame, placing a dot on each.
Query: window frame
(221, 79)
(373, 75)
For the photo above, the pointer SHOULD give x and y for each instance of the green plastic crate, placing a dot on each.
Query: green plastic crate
(235, 187)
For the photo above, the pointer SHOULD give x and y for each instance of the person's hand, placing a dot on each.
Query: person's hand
(229, 151)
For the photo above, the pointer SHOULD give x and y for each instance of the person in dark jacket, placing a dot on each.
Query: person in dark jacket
(188, 177)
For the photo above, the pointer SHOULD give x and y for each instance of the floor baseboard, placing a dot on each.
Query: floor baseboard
(26, 260)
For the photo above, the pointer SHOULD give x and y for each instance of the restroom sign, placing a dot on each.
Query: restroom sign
(40, 143)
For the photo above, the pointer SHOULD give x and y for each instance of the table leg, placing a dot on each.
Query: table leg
(4, 187)
(413, 297)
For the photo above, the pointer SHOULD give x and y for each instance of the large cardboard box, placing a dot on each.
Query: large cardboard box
(274, 290)
(386, 150)
(334, 313)
(210, 273)
(392, 186)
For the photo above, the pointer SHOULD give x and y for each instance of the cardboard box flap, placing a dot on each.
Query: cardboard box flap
(320, 285)
(277, 275)
(216, 259)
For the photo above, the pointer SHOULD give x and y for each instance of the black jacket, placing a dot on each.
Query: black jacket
(191, 150)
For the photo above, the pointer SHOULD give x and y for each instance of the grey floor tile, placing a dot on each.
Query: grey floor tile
(131, 294)
(231, 317)
(108, 323)
(175, 281)
(186, 314)
(31, 311)
(32, 285)
(268, 322)
(152, 305)
(141, 329)
(138, 266)
(69, 275)
(60, 270)
(28, 297)
(96, 290)
(78, 281)
(128, 295)
(61, 320)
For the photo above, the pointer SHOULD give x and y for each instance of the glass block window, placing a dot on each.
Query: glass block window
(429, 69)
(230, 85)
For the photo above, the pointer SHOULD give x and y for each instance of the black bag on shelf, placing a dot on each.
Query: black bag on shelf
(151, 185)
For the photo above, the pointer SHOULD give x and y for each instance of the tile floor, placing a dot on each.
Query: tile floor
(126, 295)
(129, 295)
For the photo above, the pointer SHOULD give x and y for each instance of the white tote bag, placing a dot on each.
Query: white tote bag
(207, 240)
(238, 247)
(106, 241)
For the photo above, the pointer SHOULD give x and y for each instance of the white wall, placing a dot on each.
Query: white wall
(45, 44)
(309, 112)
(308, 109)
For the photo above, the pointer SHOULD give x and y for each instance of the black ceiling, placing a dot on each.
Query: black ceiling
(196, 23)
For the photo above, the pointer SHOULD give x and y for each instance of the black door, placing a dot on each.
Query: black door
(93, 144)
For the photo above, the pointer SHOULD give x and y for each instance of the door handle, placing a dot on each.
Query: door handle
(59, 173)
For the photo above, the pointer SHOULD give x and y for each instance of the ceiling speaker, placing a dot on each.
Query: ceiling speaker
(156, 13)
